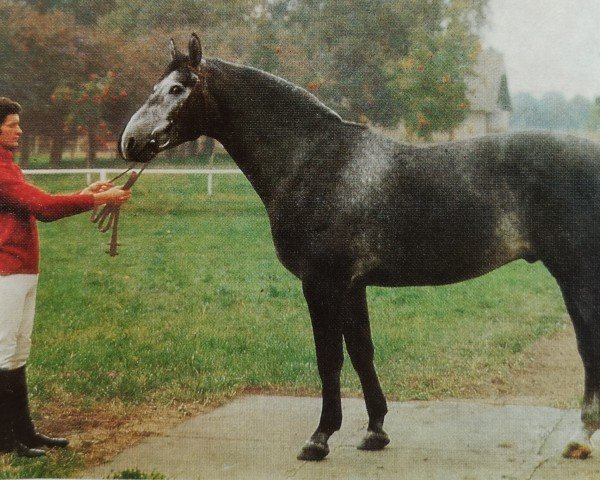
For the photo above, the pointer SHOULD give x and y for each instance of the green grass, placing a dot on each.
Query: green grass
(135, 474)
(197, 307)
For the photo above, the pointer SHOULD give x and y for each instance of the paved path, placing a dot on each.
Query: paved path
(257, 437)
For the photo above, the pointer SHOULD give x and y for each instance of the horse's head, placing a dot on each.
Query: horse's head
(167, 119)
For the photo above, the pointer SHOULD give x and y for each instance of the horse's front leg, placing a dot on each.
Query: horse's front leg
(324, 305)
(357, 333)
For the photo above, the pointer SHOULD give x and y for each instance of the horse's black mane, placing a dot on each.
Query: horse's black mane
(278, 90)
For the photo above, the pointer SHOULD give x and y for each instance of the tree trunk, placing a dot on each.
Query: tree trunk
(25, 151)
(92, 145)
(56, 152)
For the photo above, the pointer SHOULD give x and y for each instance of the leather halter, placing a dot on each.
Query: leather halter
(201, 86)
(108, 216)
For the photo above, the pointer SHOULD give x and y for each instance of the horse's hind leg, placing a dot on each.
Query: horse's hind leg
(357, 333)
(582, 299)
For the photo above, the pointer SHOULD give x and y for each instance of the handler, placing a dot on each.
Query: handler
(21, 204)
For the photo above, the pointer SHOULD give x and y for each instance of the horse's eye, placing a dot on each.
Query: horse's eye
(176, 90)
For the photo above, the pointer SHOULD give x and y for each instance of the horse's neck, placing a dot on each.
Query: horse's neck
(267, 126)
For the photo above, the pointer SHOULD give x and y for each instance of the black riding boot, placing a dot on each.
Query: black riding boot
(8, 441)
(24, 429)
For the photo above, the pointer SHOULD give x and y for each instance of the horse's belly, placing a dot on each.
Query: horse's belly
(420, 275)
(439, 261)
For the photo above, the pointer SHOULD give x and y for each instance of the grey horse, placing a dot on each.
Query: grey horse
(349, 208)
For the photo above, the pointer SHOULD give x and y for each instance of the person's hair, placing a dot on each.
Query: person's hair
(8, 107)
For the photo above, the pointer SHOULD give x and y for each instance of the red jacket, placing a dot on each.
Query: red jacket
(21, 204)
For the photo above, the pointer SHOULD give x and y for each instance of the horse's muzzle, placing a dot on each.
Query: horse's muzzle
(139, 151)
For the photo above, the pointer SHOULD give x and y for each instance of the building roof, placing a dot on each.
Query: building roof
(487, 88)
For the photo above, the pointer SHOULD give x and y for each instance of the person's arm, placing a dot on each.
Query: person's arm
(46, 207)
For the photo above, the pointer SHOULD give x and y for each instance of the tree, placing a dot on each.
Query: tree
(140, 17)
(593, 120)
(552, 112)
(85, 12)
(39, 52)
(347, 45)
(49, 57)
(88, 105)
(264, 52)
(526, 112)
(430, 86)
(354, 49)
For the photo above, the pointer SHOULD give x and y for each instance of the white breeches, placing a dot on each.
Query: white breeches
(17, 309)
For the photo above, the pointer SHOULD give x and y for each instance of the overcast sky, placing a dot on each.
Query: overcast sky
(548, 45)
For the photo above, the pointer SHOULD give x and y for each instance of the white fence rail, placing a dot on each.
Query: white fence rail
(103, 173)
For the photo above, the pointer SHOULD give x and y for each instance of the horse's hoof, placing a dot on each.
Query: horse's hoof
(313, 451)
(374, 441)
(577, 450)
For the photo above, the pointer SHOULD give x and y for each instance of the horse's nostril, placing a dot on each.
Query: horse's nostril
(130, 144)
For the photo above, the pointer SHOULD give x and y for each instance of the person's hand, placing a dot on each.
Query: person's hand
(112, 196)
(97, 187)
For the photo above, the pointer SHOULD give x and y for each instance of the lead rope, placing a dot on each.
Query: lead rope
(108, 216)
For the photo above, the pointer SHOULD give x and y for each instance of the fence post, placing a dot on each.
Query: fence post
(210, 184)
(103, 176)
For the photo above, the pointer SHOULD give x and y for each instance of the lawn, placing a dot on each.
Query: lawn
(197, 307)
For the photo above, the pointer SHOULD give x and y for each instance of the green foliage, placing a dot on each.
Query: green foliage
(354, 48)
(88, 104)
(264, 52)
(347, 45)
(137, 474)
(429, 84)
(39, 52)
(140, 17)
(85, 11)
(347, 52)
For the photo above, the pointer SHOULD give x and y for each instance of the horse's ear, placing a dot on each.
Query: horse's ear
(195, 51)
(175, 54)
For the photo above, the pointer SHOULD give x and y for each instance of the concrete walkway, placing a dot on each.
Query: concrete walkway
(258, 437)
